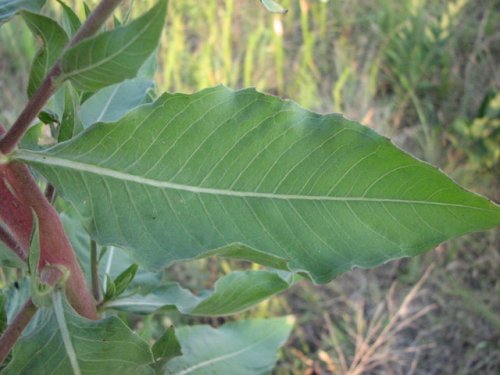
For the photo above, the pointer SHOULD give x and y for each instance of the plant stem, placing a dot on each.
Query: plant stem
(55, 247)
(94, 268)
(51, 81)
(12, 243)
(14, 330)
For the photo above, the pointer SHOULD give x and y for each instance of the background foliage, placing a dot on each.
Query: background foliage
(424, 73)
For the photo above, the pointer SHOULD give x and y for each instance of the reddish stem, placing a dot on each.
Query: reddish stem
(55, 248)
(14, 330)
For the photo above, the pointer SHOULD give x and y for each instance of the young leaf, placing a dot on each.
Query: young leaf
(233, 293)
(54, 39)
(70, 121)
(194, 173)
(273, 6)
(123, 280)
(10, 7)
(113, 102)
(167, 346)
(115, 55)
(244, 347)
(106, 346)
(71, 22)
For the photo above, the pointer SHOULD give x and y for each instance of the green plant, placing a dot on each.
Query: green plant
(240, 175)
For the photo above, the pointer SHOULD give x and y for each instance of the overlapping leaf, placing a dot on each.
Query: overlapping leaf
(194, 173)
(115, 55)
(244, 347)
(233, 293)
(54, 40)
(10, 7)
(102, 347)
(111, 103)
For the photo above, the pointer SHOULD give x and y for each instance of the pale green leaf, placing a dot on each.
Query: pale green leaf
(115, 55)
(54, 40)
(71, 22)
(273, 6)
(243, 348)
(101, 347)
(233, 293)
(10, 7)
(190, 174)
(113, 102)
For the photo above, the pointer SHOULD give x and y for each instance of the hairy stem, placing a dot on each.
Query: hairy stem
(51, 83)
(14, 330)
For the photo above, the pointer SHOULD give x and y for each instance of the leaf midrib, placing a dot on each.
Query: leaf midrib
(35, 157)
(213, 360)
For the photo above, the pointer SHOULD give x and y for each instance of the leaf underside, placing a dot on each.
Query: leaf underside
(8, 8)
(193, 174)
(102, 347)
(244, 347)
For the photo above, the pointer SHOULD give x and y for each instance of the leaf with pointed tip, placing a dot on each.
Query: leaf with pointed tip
(115, 55)
(10, 7)
(233, 293)
(106, 346)
(113, 102)
(71, 22)
(273, 6)
(193, 173)
(54, 40)
(167, 346)
(245, 347)
(71, 123)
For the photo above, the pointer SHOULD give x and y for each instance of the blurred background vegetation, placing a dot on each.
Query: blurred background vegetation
(422, 72)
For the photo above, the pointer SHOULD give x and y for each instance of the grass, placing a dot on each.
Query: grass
(425, 73)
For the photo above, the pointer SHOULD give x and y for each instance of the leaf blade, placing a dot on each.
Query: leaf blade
(115, 55)
(244, 347)
(218, 168)
(104, 346)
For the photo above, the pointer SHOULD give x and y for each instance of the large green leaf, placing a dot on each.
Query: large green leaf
(100, 347)
(233, 293)
(54, 40)
(193, 173)
(243, 348)
(115, 55)
(10, 7)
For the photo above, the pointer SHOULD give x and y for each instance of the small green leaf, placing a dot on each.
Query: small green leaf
(273, 6)
(115, 55)
(54, 40)
(110, 291)
(48, 116)
(113, 102)
(167, 346)
(70, 121)
(244, 347)
(71, 22)
(233, 293)
(10, 7)
(105, 346)
(124, 279)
